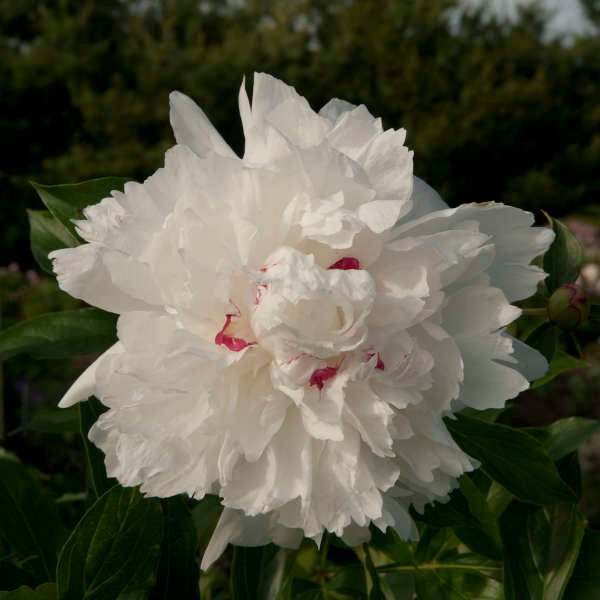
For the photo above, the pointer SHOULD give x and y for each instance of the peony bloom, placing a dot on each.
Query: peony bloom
(294, 324)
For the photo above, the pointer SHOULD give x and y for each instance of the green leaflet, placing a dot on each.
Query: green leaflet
(29, 520)
(46, 233)
(67, 201)
(60, 334)
(541, 547)
(559, 363)
(513, 458)
(564, 258)
(114, 549)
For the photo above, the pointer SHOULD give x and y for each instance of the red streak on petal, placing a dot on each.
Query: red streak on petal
(231, 343)
(379, 364)
(320, 376)
(346, 263)
(260, 290)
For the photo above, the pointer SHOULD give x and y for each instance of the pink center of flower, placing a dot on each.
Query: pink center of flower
(379, 364)
(346, 263)
(232, 343)
(320, 376)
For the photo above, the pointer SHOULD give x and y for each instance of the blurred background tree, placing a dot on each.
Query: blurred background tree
(493, 109)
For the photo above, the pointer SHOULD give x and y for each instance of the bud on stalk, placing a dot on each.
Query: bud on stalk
(568, 307)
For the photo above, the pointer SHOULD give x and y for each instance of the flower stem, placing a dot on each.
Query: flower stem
(534, 312)
(391, 568)
(577, 346)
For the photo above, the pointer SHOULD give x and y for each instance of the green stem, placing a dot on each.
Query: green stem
(577, 346)
(392, 568)
(534, 312)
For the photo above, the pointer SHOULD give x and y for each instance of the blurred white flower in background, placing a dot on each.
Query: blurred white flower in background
(295, 324)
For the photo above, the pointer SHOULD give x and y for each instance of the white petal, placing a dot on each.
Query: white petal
(380, 215)
(424, 200)
(528, 361)
(83, 273)
(228, 527)
(334, 108)
(193, 129)
(85, 385)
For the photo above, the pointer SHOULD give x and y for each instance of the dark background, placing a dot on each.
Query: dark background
(492, 110)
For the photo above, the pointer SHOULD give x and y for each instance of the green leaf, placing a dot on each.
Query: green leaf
(304, 589)
(488, 530)
(46, 591)
(88, 414)
(45, 235)
(114, 549)
(513, 458)
(489, 414)
(594, 312)
(66, 202)
(391, 545)
(563, 260)
(564, 436)
(440, 584)
(31, 526)
(498, 499)
(469, 514)
(373, 584)
(205, 515)
(560, 362)
(541, 547)
(346, 580)
(401, 586)
(60, 334)
(585, 581)
(544, 338)
(178, 571)
(46, 419)
(249, 571)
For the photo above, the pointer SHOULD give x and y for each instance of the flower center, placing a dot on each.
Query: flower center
(225, 337)
(346, 263)
(320, 376)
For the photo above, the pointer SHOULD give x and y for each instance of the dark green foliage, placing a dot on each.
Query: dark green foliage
(541, 548)
(585, 581)
(545, 339)
(46, 591)
(29, 524)
(249, 570)
(99, 483)
(178, 571)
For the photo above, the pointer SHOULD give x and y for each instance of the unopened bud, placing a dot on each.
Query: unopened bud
(568, 307)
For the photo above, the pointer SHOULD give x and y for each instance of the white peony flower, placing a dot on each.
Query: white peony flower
(295, 324)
